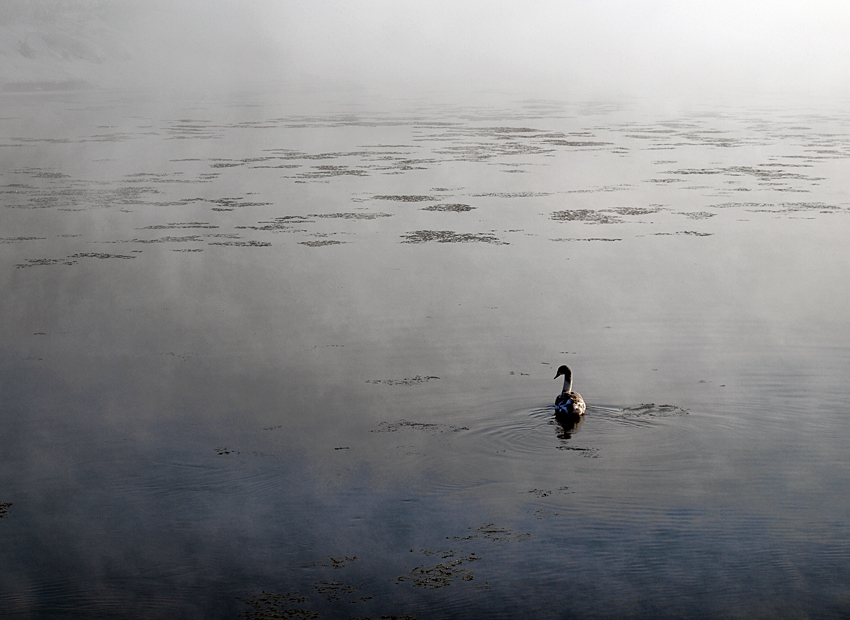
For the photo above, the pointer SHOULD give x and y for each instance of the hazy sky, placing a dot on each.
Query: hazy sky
(636, 44)
(600, 46)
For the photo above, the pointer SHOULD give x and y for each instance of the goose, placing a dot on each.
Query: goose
(569, 402)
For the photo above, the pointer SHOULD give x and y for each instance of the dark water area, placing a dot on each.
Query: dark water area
(264, 359)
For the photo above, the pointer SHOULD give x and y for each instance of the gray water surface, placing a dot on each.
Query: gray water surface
(264, 359)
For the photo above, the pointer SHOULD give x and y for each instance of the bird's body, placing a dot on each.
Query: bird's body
(569, 402)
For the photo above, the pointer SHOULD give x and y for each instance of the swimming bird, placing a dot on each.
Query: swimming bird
(569, 402)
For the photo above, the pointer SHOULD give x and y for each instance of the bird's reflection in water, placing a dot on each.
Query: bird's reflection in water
(567, 424)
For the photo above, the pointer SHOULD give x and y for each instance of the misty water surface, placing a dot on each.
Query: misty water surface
(261, 357)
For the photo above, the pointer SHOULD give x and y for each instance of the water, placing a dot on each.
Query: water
(263, 356)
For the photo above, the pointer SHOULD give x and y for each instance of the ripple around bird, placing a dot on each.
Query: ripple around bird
(535, 430)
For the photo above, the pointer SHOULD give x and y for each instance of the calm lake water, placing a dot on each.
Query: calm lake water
(266, 357)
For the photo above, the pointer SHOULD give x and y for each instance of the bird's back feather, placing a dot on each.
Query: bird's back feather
(570, 402)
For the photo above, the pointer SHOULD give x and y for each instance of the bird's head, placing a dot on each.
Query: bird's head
(564, 370)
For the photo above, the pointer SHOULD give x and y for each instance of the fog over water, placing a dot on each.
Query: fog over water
(605, 48)
(655, 48)
(285, 286)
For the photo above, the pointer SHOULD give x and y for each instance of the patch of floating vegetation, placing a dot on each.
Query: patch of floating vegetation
(225, 451)
(336, 562)
(449, 236)
(168, 239)
(39, 173)
(651, 410)
(19, 239)
(394, 427)
(328, 171)
(525, 130)
(512, 194)
(762, 173)
(272, 606)
(223, 204)
(136, 176)
(183, 356)
(744, 205)
(243, 244)
(589, 453)
(404, 165)
(388, 146)
(587, 239)
(45, 140)
(77, 196)
(37, 262)
(280, 224)
(578, 143)
(440, 575)
(406, 198)
(456, 207)
(187, 250)
(238, 202)
(4, 508)
(329, 155)
(495, 533)
(407, 381)
(173, 225)
(332, 590)
(484, 152)
(278, 166)
(547, 492)
(697, 215)
(782, 207)
(692, 233)
(585, 215)
(603, 188)
(99, 255)
(351, 216)
(634, 210)
(320, 243)
(150, 177)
